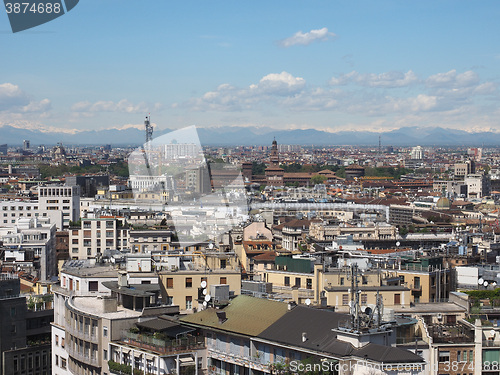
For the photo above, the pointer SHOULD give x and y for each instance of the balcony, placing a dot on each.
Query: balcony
(83, 356)
(491, 343)
(164, 347)
(416, 287)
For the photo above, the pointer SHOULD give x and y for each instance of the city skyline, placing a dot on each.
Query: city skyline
(281, 65)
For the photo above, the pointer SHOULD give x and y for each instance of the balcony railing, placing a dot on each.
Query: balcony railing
(491, 343)
(416, 287)
(148, 342)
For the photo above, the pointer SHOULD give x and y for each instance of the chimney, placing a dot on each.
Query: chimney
(122, 279)
(304, 336)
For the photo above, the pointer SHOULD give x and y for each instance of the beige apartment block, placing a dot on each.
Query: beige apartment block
(184, 288)
(94, 236)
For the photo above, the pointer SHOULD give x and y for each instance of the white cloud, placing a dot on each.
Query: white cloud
(453, 80)
(388, 79)
(280, 84)
(269, 90)
(304, 39)
(14, 100)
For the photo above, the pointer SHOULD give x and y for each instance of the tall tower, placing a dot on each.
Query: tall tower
(275, 158)
(149, 129)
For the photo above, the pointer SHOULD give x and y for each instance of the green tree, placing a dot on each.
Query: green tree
(318, 179)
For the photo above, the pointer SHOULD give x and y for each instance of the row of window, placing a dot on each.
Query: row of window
(19, 208)
(189, 281)
(31, 362)
(298, 282)
(462, 356)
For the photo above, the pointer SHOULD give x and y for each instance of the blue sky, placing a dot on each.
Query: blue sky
(329, 65)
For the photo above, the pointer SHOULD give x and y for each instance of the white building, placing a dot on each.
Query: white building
(12, 210)
(60, 198)
(95, 306)
(31, 245)
(417, 153)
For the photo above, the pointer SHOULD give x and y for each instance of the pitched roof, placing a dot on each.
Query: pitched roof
(386, 354)
(316, 324)
(244, 315)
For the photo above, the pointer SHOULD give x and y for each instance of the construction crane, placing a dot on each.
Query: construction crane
(149, 129)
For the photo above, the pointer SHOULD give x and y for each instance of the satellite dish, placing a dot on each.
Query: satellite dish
(494, 283)
(480, 281)
(204, 292)
(207, 298)
(203, 284)
(492, 332)
(398, 243)
(204, 303)
(485, 283)
(308, 302)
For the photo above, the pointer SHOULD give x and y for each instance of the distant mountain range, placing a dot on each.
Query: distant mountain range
(232, 136)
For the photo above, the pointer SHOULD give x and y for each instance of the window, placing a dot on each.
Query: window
(309, 283)
(189, 282)
(459, 356)
(223, 280)
(341, 281)
(345, 299)
(465, 355)
(297, 282)
(93, 286)
(170, 282)
(62, 342)
(57, 340)
(105, 354)
(77, 284)
(105, 331)
(12, 311)
(57, 360)
(189, 303)
(287, 280)
(444, 356)
(63, 363)
(417, 282)
(364, 299)
(223, 263)
(364, 280)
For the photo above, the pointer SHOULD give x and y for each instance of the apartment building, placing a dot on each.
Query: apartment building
(30, 245)
(60, 198)
(93, 306)
(95, 235)
(11, 211)
(25, 333)
(149, 240)
(260, 336)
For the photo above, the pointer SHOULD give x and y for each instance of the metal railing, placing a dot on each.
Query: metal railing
(164, 346)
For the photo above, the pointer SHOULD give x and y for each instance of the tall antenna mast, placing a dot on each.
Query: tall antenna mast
(149, 129)
(379, 145)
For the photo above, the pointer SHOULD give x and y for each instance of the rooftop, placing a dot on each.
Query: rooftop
(245, 315)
